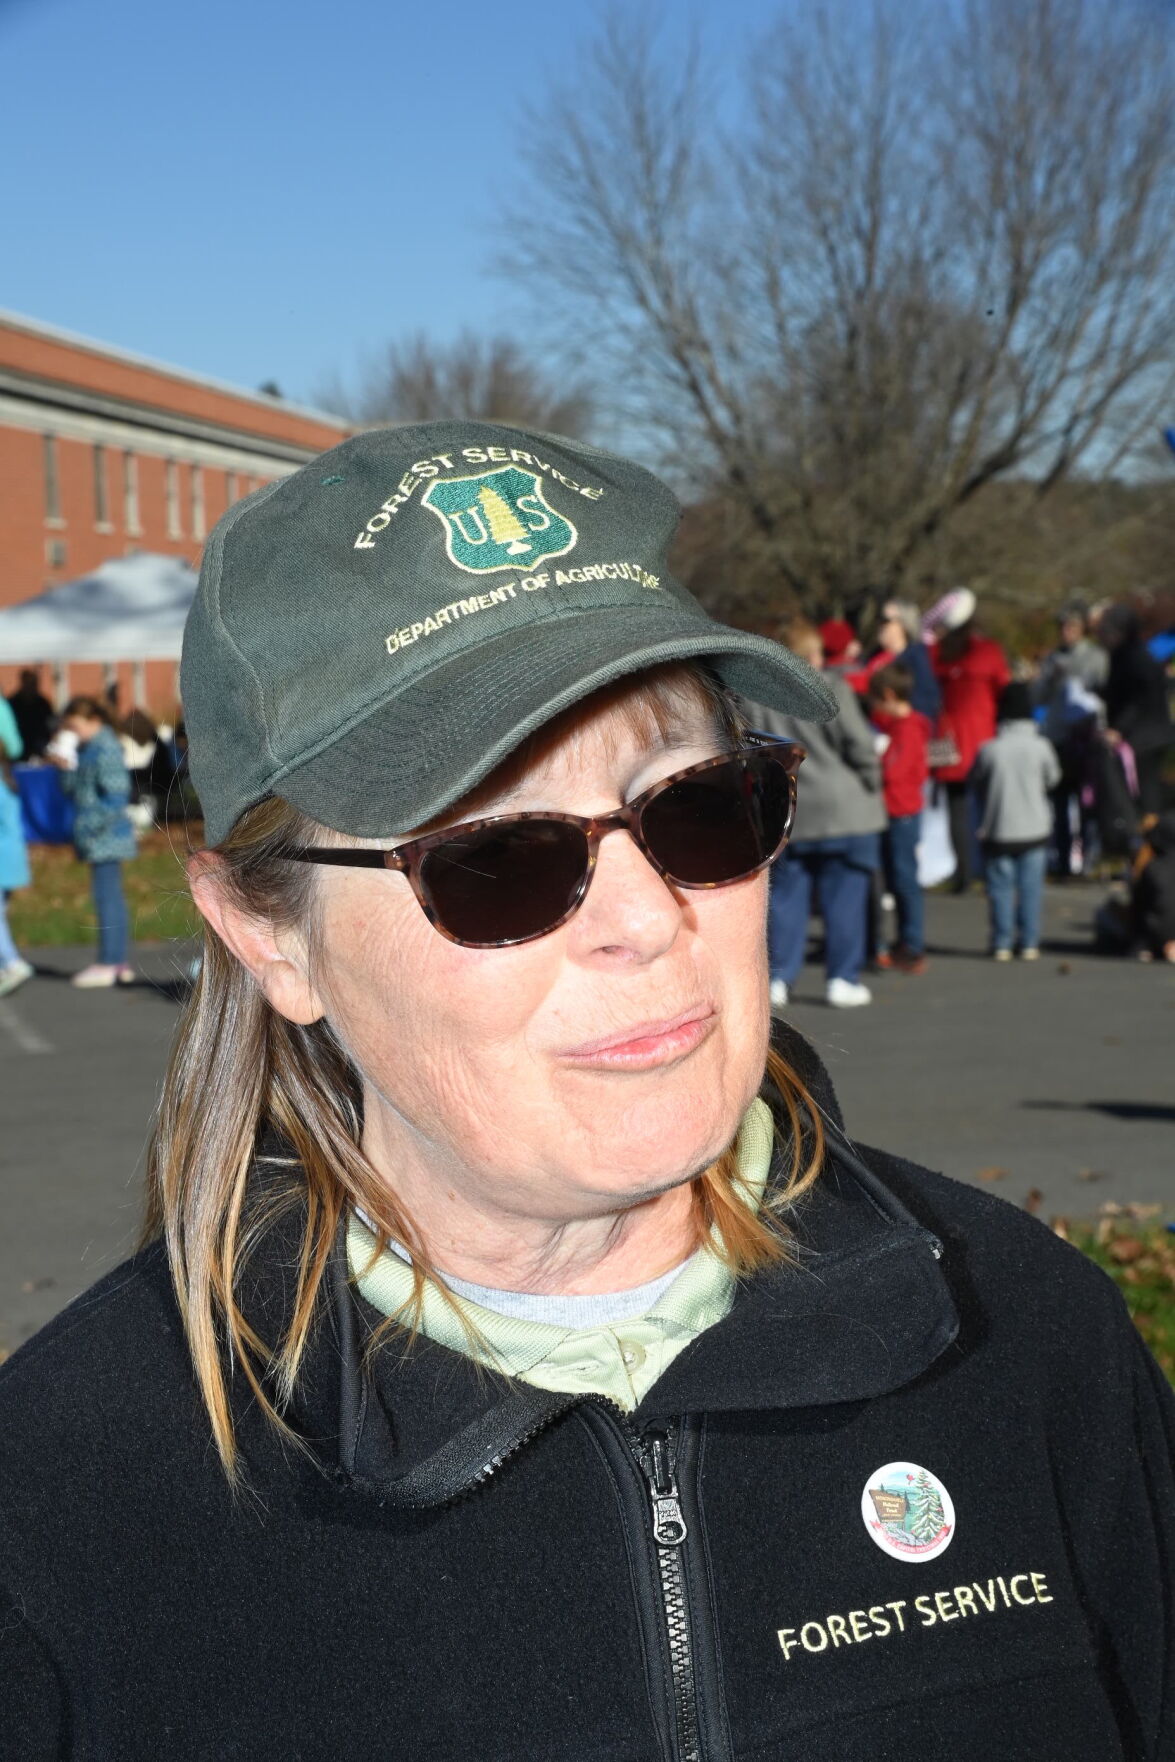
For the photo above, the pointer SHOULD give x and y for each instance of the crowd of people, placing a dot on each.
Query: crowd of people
(947, 763)
(120, 774)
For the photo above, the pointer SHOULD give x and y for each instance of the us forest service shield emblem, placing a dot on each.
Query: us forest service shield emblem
(498, 520)
(908, 1512)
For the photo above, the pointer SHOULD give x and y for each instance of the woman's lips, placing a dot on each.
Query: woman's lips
(647, 1043)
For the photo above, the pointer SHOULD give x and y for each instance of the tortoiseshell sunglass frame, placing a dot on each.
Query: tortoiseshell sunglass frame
(408, 858)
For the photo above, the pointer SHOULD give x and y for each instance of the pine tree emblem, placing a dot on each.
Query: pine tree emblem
(505, 526)
(498, 520)
(926, 1515)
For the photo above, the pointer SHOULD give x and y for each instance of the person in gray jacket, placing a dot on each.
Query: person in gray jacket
(1076, 660)
(1013, 777)
(835, 844)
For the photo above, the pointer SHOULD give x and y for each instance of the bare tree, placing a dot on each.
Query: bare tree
(932, 253)
(485, 378)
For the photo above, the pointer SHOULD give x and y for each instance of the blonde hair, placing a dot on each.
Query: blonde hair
(240, 1070)
(803, 639)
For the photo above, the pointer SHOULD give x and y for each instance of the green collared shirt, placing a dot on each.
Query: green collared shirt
(621, 1361)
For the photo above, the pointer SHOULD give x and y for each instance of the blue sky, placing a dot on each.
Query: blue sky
(260, 191)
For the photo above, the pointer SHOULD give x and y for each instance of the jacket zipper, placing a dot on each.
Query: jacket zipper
(656, 1453)
(672, 1622)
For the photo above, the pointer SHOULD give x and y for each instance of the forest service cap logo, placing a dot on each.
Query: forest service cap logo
(908, 1512)
(498, 520)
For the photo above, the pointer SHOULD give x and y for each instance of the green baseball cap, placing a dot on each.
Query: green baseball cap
(373, 634)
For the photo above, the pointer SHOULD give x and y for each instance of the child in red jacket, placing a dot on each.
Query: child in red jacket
(904, 770)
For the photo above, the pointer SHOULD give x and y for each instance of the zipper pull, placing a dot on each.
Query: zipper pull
(669, 1526)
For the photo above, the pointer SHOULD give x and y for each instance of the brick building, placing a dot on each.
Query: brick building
(103, 453)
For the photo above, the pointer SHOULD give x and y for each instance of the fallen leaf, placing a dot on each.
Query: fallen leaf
(1143, 1211)
(1124, 1249)
(1064, 967)
(991, 1174)
(1091, 1174)
(38, 1284)
(1033, 1200)
(1060, 1227)
(1111, 1208)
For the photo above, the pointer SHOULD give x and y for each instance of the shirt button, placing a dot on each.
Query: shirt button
(632, 1354)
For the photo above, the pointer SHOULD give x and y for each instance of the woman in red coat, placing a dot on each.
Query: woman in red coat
(971, 670)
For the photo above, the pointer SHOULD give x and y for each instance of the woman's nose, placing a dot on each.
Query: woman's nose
(629, 905)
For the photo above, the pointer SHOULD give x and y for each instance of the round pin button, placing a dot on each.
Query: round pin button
(632, 1354)
(907, 1511)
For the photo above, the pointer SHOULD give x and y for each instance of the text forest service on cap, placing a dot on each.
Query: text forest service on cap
(425, 469)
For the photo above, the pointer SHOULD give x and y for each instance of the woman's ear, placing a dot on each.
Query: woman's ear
(276, 960)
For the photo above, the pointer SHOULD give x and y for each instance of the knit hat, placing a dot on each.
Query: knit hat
(951, 612)
(1015, 703)
(836, 634)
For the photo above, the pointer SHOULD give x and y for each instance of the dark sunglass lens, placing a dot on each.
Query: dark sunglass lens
(720, 824)
(505, 883)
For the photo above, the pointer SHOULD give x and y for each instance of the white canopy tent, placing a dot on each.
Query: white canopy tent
(130, 609)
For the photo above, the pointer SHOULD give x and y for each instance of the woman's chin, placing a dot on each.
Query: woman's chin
(654, 1160)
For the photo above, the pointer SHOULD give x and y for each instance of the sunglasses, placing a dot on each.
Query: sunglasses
(514, 877)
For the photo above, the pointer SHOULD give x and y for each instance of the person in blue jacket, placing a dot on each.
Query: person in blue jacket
(102, 834)
(14, 861)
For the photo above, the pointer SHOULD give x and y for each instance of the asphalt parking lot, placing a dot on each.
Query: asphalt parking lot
(1055, 1078)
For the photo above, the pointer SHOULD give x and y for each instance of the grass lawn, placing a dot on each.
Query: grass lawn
(56, 909)
(1139, 1255)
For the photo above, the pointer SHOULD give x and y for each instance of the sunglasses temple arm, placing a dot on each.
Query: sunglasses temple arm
(351, 859)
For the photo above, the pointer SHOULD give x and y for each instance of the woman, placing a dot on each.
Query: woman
(100, 786)
(835, 847)
(899, 638)
(972, 670)
(521, 1361)
(14, 860)
(145, 760)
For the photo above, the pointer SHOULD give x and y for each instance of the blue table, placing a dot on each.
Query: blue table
(46, 811)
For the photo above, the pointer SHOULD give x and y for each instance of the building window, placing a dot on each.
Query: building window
(230, 488)
(101, 500)
(172, 480)
(55, 553)
(52, 482)
(130, 493)
(197, 488)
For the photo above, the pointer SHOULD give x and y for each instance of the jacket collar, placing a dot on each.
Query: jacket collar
(863, 1309)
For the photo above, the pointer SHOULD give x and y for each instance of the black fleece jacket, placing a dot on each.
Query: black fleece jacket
(467, 1569)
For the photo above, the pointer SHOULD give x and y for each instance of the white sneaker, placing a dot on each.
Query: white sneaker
(779, 993)
(14, 974)
(846, 994)
(94, 978)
